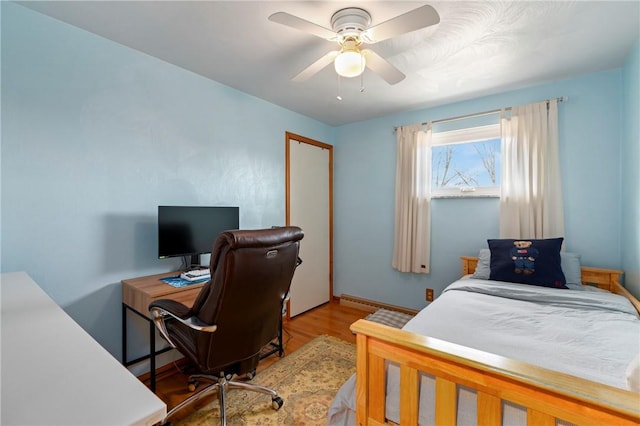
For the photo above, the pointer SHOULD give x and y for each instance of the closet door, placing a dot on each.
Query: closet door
(309, 206)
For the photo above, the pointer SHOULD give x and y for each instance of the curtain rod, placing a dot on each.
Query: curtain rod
(480, 114)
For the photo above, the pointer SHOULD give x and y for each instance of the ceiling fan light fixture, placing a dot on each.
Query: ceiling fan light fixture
(351, 28)
(350, 63)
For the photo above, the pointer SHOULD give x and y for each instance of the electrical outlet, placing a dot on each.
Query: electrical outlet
(429, 295)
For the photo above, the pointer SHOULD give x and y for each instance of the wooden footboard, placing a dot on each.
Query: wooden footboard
(546, 394)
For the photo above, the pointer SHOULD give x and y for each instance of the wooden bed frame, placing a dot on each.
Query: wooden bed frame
(545, 394)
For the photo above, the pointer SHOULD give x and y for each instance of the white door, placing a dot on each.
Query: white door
(309, 206)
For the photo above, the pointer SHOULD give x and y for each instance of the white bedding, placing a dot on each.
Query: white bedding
(593, 335)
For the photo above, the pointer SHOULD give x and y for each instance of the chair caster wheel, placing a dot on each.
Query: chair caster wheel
(192, 385)
(277, 403)
(250, 375)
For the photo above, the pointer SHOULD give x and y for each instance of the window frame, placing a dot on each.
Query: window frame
(465, 136)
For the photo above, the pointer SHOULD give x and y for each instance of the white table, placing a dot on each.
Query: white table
(55, 373)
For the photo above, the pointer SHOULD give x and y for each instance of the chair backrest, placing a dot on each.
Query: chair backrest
(251, 272)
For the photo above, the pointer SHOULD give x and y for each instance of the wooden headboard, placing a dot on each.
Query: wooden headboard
(606, 279)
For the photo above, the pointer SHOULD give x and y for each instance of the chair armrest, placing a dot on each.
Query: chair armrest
(160, 309)
(173, 306)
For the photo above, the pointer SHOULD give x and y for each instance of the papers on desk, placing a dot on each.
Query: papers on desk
(181, 282)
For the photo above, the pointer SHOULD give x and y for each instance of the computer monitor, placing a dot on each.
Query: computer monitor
(189, 231)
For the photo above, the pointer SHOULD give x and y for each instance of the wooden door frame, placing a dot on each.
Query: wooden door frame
(292, 136)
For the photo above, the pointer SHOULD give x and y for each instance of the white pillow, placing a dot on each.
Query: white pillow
(633, 374)
(483, 268)
(570, 263)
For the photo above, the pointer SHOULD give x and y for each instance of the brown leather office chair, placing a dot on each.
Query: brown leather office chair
(237, 313)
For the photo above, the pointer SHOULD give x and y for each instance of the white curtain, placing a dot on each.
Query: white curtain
(411, 246)
(531, 190)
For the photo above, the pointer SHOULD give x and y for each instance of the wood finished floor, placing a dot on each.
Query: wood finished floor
(331, 318)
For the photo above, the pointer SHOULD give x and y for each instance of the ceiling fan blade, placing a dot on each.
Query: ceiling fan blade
(292, 21)
(415, 19)
(382, 67)
(316, 66)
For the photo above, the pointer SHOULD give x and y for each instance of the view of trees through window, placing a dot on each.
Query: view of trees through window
(466, 162)
(466, 165)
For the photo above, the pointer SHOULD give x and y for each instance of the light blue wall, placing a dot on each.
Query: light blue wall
(631, 172)
(590, 134)
(95, 136)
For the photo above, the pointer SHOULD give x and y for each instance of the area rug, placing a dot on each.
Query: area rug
(307, 380)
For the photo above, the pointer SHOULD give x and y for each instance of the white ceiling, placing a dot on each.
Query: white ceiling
(478, 48)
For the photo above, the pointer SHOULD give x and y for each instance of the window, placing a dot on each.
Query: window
(466, 162)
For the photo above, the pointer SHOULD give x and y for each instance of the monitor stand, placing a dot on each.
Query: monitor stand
(192, 262)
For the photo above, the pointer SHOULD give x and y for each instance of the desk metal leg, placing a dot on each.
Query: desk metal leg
(275, 347)
(152, 355)
(280, 345)
(124, 334)
(152, 343)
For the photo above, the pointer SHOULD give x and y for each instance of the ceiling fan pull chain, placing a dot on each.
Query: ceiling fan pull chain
(362, 80)
(338, 97)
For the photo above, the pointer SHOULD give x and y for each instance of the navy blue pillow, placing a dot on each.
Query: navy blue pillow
(526, 261)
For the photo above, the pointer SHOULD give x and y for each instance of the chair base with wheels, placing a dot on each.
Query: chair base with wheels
(222, 385)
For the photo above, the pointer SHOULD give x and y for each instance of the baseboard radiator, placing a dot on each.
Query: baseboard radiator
(371, 305)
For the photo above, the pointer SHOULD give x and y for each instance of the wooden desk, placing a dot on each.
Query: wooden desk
(54, 373)
(137, 294)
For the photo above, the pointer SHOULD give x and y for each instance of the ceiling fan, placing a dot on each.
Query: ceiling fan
(351, 30)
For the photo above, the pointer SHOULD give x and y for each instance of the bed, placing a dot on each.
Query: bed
(554, 357)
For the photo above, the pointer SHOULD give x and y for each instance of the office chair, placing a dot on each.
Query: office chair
(236, 314)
